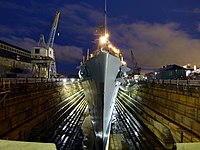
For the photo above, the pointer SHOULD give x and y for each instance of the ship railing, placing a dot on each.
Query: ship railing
(188, 83)
(6, 82)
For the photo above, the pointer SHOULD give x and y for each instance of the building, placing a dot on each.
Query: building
(172, 72)
(43, 62)
(14, 61)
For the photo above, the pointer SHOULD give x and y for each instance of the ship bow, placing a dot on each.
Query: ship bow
(101, 89)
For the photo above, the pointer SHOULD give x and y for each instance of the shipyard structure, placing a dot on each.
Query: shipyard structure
(14, 61)
(153, 114)
(39, 62)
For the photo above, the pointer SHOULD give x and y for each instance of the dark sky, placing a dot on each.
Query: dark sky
(159, 32)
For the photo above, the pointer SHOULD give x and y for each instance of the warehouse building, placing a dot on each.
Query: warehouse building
(14, 61)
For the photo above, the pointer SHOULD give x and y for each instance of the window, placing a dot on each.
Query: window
(37, 51)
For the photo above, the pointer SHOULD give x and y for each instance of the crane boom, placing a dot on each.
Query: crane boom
(136, 69)
(134, 63)
(53, 30)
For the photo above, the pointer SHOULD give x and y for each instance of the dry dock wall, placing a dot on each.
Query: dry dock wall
(26, 105)
(167, 109)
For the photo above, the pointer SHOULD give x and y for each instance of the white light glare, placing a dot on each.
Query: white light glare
(64, 80)
(103, 39)
(123, 62)
(72, 79)
(107, 35)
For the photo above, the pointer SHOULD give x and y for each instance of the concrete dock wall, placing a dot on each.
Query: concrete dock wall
(25, 105)
(168, 109)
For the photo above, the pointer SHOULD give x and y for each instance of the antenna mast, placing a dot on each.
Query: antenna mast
(105, 15)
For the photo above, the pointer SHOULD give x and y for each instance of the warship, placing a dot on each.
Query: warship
(102, 73)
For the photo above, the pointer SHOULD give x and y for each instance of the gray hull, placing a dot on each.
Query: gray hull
(100, 89)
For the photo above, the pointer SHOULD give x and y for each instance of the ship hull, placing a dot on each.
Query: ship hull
(100, 89)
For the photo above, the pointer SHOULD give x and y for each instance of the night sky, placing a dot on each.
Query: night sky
(159, 32)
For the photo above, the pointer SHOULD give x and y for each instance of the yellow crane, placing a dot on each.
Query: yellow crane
(44, 63)
(53, 30)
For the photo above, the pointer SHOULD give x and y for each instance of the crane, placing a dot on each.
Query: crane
(136, 69)
(41, 42)
(53, 30)
(44, 64)
(52, 64)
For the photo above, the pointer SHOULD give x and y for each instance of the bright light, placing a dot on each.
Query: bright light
(195, 68)
(103, 39)
(136, 77)
(106, 35)
(116, 50)
(123, 62)
(99, 134)
(110, 46)
(136, 133)
(188, 72)
(64, 80)
(72, 79)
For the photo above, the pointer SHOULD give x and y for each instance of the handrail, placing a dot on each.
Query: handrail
(177, 82)
(5, 82)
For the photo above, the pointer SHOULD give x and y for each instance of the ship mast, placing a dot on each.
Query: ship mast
(105, 17)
